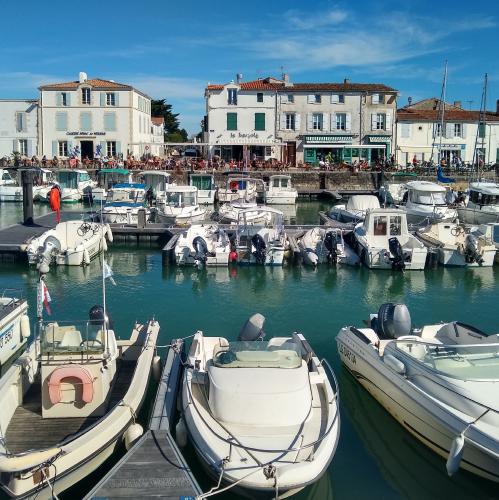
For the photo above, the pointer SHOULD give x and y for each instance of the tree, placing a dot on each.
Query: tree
(159, 107)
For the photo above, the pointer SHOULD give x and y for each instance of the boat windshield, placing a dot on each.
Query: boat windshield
(257, 354)
(64, 337)
(202, 182)
(428, 197)
(484, 199)
(466, 362)
(180, 198)
(67, 180)
(125, 195)
(282, 182)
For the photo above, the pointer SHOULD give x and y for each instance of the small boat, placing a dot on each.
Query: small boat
(72, 243)
(180, 206)
(326, 246)
(355, 210)
(260, 237)
(123, 203)
(201, 245)
(75, 185)
(280, 191)
(44, 179)
(106, 179)
(439, 382)
(263, 416)
(10, 190)
(482, 205)
(207, 188)
(426, 203)
(70, 401)
(158, 181)
(14, 327)
(240, 187)
(458, 246)
(491, 232)
(229, 212)
(383, 241)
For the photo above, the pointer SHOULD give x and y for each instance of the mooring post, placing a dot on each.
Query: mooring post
(27, 182)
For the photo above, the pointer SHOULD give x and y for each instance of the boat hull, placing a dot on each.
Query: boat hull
(11, 193)
(454, 258)
(280, 199)
(477, 216)
(378, 258)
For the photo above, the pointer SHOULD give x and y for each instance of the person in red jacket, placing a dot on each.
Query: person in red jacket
(55, 202)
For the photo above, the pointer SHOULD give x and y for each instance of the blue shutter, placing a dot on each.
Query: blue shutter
(109, 122)
(15, 146)
(59, 98)
(86, 121)
(102, 98)
(61, 122)
(116, 99)
(55, 148)
(30, 148)
(68, 98)
(118, 147)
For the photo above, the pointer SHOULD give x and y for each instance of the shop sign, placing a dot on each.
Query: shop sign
(380, 138)
(242, 135)
(80, 132)
(328, 139)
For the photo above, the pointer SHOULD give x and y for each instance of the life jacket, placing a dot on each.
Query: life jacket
(55, 199)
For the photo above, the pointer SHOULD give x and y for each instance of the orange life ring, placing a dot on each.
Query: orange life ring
(71, 371)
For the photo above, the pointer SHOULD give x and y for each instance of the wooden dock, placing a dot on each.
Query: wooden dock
(154, 467)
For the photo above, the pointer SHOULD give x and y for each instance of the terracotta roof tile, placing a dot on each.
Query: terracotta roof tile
(97, 83)
(450, 115)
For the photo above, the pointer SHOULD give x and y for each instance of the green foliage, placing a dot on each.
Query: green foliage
(159, 107)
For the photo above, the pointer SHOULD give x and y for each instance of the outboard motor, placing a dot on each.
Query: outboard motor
(96, 317)
(259, 244)
(393, 321)
(200, 249)
(331, 242)
(471, 250)
(51, 246)
(252, 329)
(398, 260)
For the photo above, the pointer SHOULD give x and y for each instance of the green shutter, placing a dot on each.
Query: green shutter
(259, 121)
(231, 121)
(497, 155)
(481, 130)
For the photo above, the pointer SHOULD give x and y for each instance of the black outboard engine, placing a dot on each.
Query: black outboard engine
(471, 251)
(331, 242)
(96, 317)
(395, 248)
(393, 321)
(259, 244)
(253, 328)
(201, 250)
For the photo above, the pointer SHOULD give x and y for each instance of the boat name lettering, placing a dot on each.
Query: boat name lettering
(80, 132)
(6, 336)
(348, 354)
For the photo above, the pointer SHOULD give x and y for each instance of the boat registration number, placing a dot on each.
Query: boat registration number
(6, 336)
(347, 353)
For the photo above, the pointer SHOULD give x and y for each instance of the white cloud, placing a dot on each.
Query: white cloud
(164, 87)
(299, 20)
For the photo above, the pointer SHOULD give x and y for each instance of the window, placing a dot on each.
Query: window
(259, 97)
(395, 225)
(231, 121)
(379, 228)
(438, 129)
(290, 121)
(380, 121)
(85, 95)
(341, 121)
(63, 148)
(110, 122)
(259, 121)
(23, 147)
(64, 99)
(86, 121)
(341, 98)
(381, 98)
(61, 122)
(232, 96)
(21, 122)
(110, 99)
(481, 130)
(317, 121)
(111, 148)
(458, 130)
(291, 98)
(337, 98)
(317, 98)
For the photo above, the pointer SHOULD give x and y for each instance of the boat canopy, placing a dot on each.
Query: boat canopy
(129, 185)
(202, 181)
(118, 171)
(426, 186)
(363, 202)
(485, 187)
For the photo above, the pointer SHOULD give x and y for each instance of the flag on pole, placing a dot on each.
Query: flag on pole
(108, 273)
(44, 299)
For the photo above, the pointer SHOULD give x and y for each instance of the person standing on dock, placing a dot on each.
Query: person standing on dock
(55, 202)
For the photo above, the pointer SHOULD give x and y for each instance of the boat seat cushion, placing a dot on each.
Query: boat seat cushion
(55, 333)
(280, 358)
(72, 338)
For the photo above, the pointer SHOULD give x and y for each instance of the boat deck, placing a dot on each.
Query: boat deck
(28, 430)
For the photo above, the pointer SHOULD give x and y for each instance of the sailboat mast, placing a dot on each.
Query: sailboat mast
(442, 113)
(481, 123)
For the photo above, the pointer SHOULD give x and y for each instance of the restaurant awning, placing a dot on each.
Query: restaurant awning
(328, 139)
(343, 146)
(380, 138)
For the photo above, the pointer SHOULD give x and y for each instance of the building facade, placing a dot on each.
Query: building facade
(93, 117)
(300, 122)
(18, 127)
(463, 138)
(157, 135)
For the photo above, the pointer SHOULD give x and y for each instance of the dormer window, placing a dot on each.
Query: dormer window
(85, 95)
(232, 96)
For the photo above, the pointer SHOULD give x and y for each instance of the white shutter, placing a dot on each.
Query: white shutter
(282, 123)
(310, 124)
(332, 121)
(335, 98)
(373, 121)
(297, 121)
(30, 151)
(15, 146)
(348, 122)
(405, 130)
(325, 121)
(463, 130)
(284, 98)
(375, 99)
(311, 98)
(388, 123)
(449, 130)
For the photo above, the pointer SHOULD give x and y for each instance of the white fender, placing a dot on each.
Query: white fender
(455, 455)
(109, 233)
(25, 328)
(86, 257)
(104, 244)
(132, 434)
(156, 368)
(181, 433)
(18, 463)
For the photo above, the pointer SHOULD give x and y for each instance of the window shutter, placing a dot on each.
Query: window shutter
(449, 130)
(86, 122)
(259, 121)
(70, 148)
(375, 99)
(102, 98)
(310, 125)
(15, 146)
(297, 121)
(103, 148)
(348, 122)
(117, 100)
(284, 98)
(388, 121)
(335, 98)
(405, 130)
(30, 148)
(55, 145)
(61, 122)
(59, 98)
(110, 122)
(282, 122)
(325, 121)
(118, 147)
(332, 121)
(68, 98)
(463, 130)
(311, 98)
(373, 121)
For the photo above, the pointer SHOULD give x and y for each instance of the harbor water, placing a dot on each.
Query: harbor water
(375, 458)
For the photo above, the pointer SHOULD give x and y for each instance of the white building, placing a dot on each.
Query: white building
(18, 127)
(300, 122)
(93, 116)
(421, 136)
(158, 135)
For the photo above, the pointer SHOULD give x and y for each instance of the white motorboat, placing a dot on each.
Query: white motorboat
(69, 402)
(321, 246)
(75, 185)
(355, 210)
(280, 191)
(240, 188)
(107, 178)
(383, 241)
(180, 206)
(490, 231)
(260, 238)
(262, 415)
(458, 246)
(10, 190)
(426, 203)
(438, 382)
(207, 188)
(202, 244)
(14, 326)
(44, 179)
(392, 193)
(123, 203)
(74, 243)
(482, 205)
(229, 212)
(158, 181)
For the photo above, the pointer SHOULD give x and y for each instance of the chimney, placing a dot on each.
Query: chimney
(409, 100)
(458, 104)
(82, 77)
(287, 83)
(239, 77)
(346, 81)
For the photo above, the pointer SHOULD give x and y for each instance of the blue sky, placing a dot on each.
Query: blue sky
(173, 49)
